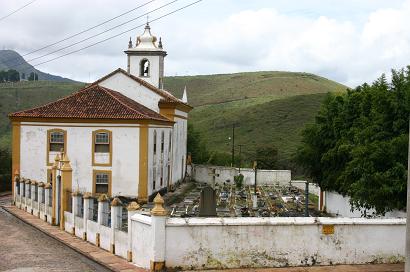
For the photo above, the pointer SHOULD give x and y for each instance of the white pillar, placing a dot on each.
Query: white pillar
(102, 209)
(32, 188)
(102, 219)
(158, 218)
(116, 213)
(21, 192)
(76, 198)
(47, 193)
(88, 202)
(132, 208)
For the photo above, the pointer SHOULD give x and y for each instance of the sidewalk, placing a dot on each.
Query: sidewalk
(92, 252)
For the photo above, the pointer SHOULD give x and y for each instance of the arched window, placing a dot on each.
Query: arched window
(144, 68)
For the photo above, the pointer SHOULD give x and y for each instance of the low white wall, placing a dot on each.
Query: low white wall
(105, 233)
(340, 206)
(142, 240)
(68, 221)
(197, 243)
(79, 226)
(92, 230)
(121, 243)
(203, 173)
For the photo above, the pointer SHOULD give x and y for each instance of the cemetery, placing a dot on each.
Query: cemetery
(233, 200)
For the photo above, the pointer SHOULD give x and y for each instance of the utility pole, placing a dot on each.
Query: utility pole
(240, 157)
(307, 199)
(233, 146)
(407, 263)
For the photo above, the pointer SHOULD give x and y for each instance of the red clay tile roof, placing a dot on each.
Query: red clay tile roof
(168, 97)
(93, 102)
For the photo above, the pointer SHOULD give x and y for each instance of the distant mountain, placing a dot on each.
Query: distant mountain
(10, 59)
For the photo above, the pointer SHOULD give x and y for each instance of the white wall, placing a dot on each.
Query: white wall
(125, 156)
(132, 89)
(160, 160)
(202, 173)
(268, 242)
(339, 205)
(141, 240)
(179, 148)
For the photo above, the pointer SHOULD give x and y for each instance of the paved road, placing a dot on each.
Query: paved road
(24, 248)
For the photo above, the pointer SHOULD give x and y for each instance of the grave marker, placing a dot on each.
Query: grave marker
(207, 204)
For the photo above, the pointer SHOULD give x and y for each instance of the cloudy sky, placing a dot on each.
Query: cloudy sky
(350, 41)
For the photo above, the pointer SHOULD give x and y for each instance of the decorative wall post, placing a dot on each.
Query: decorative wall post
(158, 217)
(16, 184)
(132, 208)
(40, 198)
(27, 185)
(101, 219)
(66, 185)
(88, 202)
(76, 198)
(116, 214)
(53, 188)
(47, 192)
(22, 192)
(33, 195)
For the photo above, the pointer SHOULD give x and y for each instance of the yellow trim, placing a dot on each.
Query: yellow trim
(48, 143)
(66, 185)
(93, 147)
(167, 112)
(85, 120)
(143, 166)
(15, 151)
(109, 172)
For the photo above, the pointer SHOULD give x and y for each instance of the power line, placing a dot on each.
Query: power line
(17, 10)
(105, 31)
(88, 29)
(119, 34)
(93, 36)
(79, 33)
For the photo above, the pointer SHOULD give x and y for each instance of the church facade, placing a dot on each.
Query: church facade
(124, 134)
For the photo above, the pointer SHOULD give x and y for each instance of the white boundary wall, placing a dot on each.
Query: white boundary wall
(203, 173)
(340, 206)
(204, 243)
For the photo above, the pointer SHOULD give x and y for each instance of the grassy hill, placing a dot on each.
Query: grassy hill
(10, 59)
(27, 94)
(268, 108)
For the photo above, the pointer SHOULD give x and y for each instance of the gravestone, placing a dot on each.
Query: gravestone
(207, 204)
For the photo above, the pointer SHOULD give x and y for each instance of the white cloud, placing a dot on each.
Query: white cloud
(239, 36)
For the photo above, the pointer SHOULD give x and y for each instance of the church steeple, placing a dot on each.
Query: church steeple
(146, 59)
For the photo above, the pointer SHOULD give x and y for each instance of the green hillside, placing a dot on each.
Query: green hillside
(28, 94)
(268, 108)
(212, 89)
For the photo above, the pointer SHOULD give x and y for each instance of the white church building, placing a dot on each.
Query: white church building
(123, 135)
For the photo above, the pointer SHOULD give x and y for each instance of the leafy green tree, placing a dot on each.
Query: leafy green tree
(267, 157)
(359, 141)
(196, 146)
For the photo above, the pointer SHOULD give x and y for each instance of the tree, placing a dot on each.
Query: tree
(359, 141)
(33, 77)
(196, 146)
(267, 157)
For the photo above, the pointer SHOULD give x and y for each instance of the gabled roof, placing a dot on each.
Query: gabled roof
(166, 96)
(93, 102)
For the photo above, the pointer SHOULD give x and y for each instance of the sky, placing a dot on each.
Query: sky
(349, 41)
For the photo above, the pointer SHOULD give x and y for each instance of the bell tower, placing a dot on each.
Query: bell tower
(146, 59)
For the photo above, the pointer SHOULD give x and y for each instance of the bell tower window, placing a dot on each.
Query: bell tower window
(144, 68)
